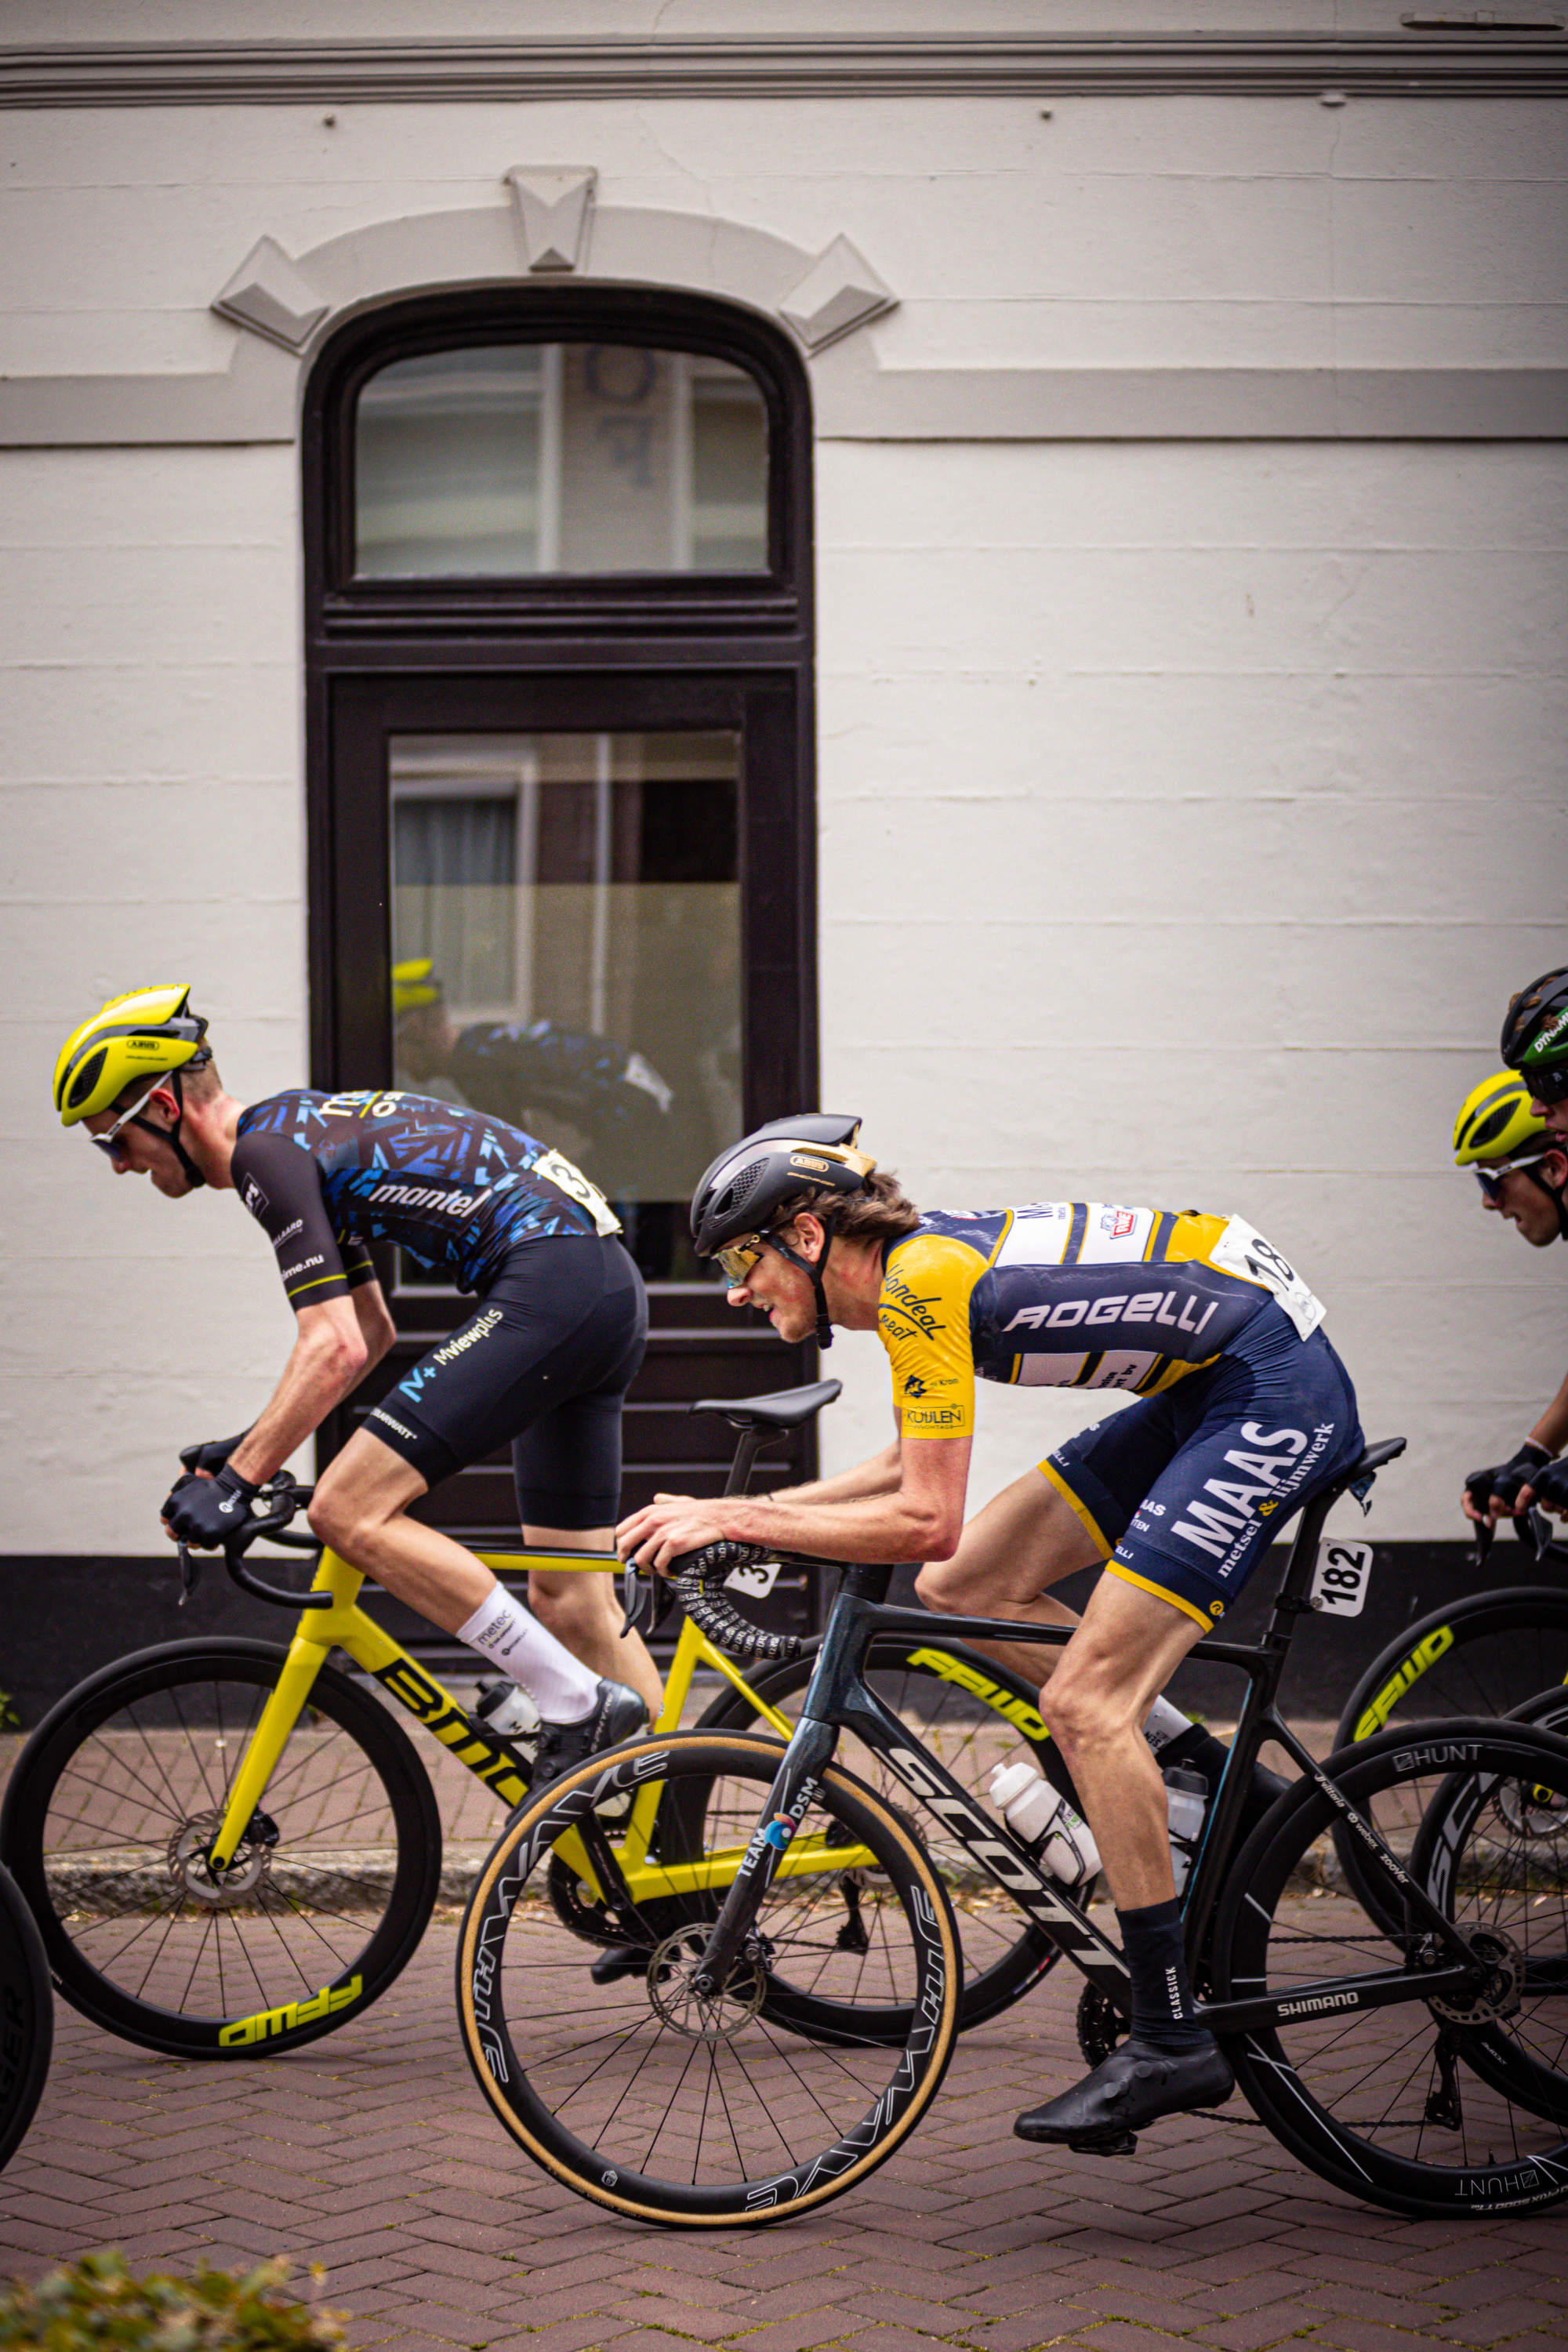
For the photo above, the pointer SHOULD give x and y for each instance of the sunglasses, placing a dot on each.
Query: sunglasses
(1549, 1085)
(108, 1142)
(1490, 1179)
(740, 1256)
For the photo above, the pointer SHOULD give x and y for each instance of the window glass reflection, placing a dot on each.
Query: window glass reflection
(571, 458)
(567, 952)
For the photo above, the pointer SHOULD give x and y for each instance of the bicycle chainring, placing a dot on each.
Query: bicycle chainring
(1101, 2028)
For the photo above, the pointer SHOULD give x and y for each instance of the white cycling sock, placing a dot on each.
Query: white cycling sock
(506, 1634)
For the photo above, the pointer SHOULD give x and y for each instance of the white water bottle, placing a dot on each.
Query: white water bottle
(1186, 1802)
(506, 1707)
(1041, 1817)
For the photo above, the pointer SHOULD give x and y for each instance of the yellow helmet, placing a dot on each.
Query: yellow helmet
(412, 983)
(1495, 1121)
(140, 1035)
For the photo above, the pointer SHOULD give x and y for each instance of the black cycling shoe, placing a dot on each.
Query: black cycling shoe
(616, 1714)
(1133, 2086)
(618, 1961)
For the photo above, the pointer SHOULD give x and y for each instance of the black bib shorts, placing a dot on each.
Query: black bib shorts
(542, 1362)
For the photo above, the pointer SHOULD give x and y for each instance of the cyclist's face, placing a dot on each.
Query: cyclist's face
(783, 1292)
(139, 1153)
(1554, 1115)
(1524, 1204)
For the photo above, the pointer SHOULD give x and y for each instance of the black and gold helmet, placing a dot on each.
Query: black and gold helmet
(743, 1191)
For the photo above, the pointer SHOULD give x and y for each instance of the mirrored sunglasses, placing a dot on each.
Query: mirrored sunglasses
(739, 1257)
(108, 1142)
(1549, 1085)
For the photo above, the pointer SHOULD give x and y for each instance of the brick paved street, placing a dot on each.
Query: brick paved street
(372, 2152)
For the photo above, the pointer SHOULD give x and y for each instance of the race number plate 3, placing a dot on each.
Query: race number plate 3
(569, 1179)
(1342, 1576)
(756, 1582)
(1241, 1249)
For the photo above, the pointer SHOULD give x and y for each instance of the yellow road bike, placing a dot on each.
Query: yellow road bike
(232, 1846)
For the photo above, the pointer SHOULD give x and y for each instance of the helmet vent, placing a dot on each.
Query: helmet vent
(86, 1078)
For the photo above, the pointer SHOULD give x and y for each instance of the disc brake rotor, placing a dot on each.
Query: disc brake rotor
(1499, 1994)
(703, 2016)
(190, 1869)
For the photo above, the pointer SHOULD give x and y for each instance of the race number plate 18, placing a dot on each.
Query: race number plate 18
(1340, 1578)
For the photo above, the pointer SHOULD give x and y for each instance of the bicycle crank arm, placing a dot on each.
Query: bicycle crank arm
(795, 1785)
(1330, 1997)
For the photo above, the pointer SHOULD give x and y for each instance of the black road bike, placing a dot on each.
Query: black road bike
(798, 1995)
(26, 2016)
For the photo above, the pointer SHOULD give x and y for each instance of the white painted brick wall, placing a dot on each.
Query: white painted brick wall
(1187, 813)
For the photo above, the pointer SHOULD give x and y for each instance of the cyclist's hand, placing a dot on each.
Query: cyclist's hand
(212, 1454)
(664, 1529)
(203, 1511)
(1491, 1494)
(1548, 1491)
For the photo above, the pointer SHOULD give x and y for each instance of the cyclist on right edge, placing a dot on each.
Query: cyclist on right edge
(1523, 1175)
(1243, 1413)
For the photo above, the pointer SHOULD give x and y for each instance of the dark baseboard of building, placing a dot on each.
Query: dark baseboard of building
(62, 1618)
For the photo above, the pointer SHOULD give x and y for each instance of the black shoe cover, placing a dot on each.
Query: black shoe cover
(1131, 2088)
(618, 1961)
(616, 1714)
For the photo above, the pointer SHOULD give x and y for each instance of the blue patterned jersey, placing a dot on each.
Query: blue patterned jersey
(325, 1174)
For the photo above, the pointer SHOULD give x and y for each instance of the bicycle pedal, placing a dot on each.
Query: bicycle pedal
(1124, 2144)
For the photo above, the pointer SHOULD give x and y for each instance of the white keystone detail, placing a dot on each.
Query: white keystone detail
(271, 296)
(839, 292)
(552, 210)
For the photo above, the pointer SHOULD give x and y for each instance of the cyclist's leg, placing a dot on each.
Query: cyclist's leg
(1025, 1538)
(1260, 1434)
(567, 1466)
(360, 1509)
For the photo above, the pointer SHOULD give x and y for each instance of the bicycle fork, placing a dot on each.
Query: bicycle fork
(270, 1737)
(796, 1785)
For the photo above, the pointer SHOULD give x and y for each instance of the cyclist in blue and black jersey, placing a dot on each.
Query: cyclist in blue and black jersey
(543, 1362)
(1243, 1413)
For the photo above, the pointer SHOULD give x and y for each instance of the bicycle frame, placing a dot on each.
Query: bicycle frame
(486, 1754)
(838, 1699)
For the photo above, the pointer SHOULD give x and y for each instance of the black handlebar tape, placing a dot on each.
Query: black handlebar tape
(718, 1618)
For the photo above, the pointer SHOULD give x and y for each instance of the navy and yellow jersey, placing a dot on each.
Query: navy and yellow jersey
(326, 1174)
(1067, 1294)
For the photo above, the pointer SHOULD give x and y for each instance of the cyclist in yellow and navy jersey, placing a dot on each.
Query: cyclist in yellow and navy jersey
(1242, 1412)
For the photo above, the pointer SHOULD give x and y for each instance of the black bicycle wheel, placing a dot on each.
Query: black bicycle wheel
(26, 2016)
(114, 1802)
(973, 1714)
(1459, 1846)
(1389, 2102)
(660, 2102)
(1482, 1657)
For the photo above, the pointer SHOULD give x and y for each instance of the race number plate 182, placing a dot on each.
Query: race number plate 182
(1342, 1577)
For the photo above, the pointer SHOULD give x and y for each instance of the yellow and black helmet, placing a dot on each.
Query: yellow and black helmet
(142, 1036)
(413, 983)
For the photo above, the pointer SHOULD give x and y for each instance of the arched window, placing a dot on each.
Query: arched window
(560, 750)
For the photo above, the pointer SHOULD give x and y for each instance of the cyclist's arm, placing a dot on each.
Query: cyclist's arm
(880, 1475)
(327, 1358)
(921, 1517)
(1551, 1431)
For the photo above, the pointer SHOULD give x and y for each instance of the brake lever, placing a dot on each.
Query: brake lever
(190, 1573)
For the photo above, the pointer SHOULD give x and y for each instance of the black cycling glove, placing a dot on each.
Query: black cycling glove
(1551, 1487)
(204, 1511)
(1507, 1477)
(213, 1454)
